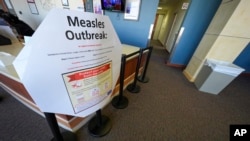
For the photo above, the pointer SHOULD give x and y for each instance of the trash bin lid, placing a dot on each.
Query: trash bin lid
(224, 67)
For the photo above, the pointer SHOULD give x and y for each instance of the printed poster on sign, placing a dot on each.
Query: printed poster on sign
(88, 87)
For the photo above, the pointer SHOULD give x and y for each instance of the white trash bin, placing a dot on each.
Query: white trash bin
(216, 75)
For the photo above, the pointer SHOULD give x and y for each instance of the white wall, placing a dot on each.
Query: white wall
(164, 29)
(166, 25)
(23, 12)
(158, 27)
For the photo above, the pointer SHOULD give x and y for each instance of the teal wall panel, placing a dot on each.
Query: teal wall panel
(135, 32)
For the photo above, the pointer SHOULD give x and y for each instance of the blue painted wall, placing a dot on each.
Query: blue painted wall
(196, 21)
(135, 32)
(243, 60)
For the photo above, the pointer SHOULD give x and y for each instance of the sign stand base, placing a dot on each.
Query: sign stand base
(65, 136)
(99, 125)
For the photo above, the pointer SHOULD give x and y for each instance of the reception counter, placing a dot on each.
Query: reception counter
(10, 81)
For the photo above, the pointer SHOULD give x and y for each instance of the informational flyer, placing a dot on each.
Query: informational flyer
(71, 63)
(132, 9)
(88, 87)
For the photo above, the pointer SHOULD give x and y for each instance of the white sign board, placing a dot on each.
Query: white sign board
(71, 63)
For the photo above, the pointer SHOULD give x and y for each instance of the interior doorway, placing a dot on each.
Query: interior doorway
(172, 35)
(157, 27)
(172, 14)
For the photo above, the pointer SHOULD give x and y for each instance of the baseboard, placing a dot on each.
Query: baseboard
(188, 76)
(175, 65)
(247, 74)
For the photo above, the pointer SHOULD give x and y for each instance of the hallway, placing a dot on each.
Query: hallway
(161, 51)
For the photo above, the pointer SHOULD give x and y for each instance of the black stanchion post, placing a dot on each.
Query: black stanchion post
(65, 136)
(143, 77)
(120, 101)
(99, 125)
(133, 87)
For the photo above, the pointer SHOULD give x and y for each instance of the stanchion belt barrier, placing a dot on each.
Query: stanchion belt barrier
(120, 101)
(133, 87)
(143, 77)
(100, 125)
